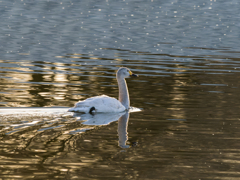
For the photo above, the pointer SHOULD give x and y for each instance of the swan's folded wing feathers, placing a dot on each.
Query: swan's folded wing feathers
(107, 104)
(101, 103)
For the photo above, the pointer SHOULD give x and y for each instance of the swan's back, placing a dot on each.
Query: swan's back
(100, 103)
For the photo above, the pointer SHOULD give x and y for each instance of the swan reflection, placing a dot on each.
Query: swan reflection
(105, 119)
(122, 130)
(98, 119)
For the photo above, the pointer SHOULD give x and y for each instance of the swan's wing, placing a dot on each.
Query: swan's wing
(108, 104)
(100, 103)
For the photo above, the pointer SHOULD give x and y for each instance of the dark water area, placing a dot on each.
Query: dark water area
(186, 53)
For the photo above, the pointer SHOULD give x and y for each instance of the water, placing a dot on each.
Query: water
(186, 54)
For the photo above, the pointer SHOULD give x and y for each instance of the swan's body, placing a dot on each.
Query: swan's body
(100, 103)
(105, 103)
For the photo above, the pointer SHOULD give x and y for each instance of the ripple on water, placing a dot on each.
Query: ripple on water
(187, 91)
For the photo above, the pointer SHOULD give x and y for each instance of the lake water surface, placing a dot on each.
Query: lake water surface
(186, 54)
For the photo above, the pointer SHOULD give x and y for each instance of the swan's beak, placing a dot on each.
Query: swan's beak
(133, 75)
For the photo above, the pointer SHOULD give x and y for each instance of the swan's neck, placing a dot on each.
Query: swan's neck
(123, 93)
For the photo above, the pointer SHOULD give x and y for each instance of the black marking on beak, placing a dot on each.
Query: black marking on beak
(134, 75)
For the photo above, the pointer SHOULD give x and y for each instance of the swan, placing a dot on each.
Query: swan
(105, 103)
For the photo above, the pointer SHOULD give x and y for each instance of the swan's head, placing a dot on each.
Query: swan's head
(124, 72)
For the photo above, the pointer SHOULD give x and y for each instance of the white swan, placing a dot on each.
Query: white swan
(105, 103)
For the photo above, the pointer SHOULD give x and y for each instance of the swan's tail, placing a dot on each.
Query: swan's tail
(83, 109)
